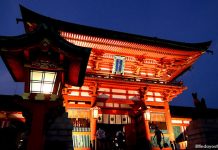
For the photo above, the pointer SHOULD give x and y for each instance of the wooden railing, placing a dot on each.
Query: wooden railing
(133, 79)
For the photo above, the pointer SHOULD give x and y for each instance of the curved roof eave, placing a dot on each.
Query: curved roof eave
(10, 45)
(31, 38)
(29, 15)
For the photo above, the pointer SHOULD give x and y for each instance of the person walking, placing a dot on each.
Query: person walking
(157, 134)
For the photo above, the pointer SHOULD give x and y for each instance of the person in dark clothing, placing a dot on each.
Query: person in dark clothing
(172, 145)
(119, 140)
(158, 136)
(100, 134)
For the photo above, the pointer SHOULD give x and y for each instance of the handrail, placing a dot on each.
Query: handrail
(133, 79)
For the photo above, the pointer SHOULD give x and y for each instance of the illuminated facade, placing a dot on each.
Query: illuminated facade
(128, 84)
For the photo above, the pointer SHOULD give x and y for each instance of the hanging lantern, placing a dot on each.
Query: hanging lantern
(42, 81)
(95, 110)
(147, 115)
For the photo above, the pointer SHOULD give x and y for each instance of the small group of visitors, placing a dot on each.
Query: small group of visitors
(112, 142)
(160, 136)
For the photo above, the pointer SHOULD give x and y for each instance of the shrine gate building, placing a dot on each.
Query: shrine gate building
(128, 84)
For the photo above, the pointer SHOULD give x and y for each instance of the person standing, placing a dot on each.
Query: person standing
(100, 134)
(158, 136)
(120, 140)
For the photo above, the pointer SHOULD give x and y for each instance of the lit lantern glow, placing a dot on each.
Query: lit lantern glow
(147, 115)
(95, 112)
(42, 81)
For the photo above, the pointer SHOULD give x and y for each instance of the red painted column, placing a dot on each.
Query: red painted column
(168, 122)
(36, 135)
(93, 124)
(147, 131)
(147, 134)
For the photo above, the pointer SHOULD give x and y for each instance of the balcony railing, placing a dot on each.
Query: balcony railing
(133, 79)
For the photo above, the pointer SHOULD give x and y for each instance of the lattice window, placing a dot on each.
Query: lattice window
(42, 81)
(154, 96)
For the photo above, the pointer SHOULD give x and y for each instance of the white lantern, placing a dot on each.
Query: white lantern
(95, 112)
(42, 81)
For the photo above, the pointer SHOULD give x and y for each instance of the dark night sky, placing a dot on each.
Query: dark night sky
(182, 20)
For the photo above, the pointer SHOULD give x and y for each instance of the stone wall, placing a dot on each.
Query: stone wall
(59, 134)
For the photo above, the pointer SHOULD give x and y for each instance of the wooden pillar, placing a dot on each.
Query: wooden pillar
(147, 134)
(93, 125)
(147, 131)
(169, 121)
(38, 110)
(36, 135)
